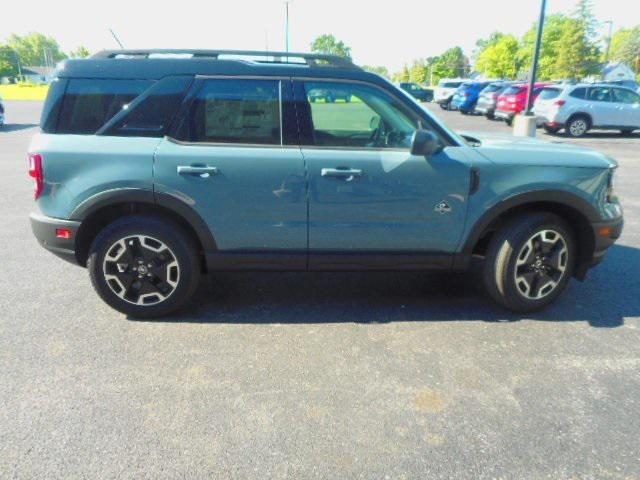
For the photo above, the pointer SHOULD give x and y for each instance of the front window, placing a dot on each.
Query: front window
(625, 96)
(235, 111)
(370, 119)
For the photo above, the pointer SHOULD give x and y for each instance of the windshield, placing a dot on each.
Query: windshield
(513, 90)
(549, 93)
(450, 84)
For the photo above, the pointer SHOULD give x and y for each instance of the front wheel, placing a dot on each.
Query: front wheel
(529, 262)
(144, 266)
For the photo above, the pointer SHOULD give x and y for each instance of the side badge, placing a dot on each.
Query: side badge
(443, 207)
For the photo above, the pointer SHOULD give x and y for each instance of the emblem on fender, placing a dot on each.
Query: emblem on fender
(443, 207)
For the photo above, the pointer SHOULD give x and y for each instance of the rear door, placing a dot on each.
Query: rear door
(234, 158)
(367, 193)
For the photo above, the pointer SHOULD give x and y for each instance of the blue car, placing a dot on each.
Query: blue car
(466, 96)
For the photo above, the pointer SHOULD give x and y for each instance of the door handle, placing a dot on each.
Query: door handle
(349, 174)
(202, 172)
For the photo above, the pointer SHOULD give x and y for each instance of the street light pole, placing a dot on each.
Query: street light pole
(286, 27)
(606, 57)
(536, 57)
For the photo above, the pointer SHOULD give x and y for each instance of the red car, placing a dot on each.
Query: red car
(514, 100)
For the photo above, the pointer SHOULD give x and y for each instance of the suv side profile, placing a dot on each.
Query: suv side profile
(443, 93)
(154, 168)
(579, 108)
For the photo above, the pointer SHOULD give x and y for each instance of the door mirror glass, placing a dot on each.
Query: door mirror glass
(425, 143)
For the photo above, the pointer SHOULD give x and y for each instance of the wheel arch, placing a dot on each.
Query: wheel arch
(105, 208)
(577, 212)
(580, 113)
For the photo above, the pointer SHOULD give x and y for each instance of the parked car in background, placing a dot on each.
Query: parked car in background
(330, 96)
(466, 96)
(417, 92)
(486, 104)
(1, 113)
(443, 93)
(513, 100)
(579, 108)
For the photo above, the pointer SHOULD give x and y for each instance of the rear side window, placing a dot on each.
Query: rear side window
(513, 90)
(600, 94)
(549, 93)
(88, 103)
(580, 92)
(235, 111)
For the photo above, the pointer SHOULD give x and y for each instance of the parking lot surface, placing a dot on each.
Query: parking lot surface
(317, 375)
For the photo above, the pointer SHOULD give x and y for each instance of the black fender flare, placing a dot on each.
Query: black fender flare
(559, 197)
(146, 196)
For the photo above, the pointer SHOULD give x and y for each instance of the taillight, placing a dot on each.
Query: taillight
(36, 172)
(559, 102)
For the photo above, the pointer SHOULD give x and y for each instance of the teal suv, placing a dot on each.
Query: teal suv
(155, 167)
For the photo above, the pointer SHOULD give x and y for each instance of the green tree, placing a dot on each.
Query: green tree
(8, 63)
(80, 52)
(329, 44)
(452, 63)
(484, 43)
(577, 56)
(500, 58)
(379, 69)
(584, 14)
(418, 72)
(36, 49)
(625, 47)
(403, 75)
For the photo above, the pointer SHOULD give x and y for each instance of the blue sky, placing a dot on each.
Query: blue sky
(380, 32)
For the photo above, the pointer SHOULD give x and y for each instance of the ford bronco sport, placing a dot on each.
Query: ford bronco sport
(154, 167)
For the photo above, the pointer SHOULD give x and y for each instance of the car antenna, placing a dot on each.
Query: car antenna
(116, 39)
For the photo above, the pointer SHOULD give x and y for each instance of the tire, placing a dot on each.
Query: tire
(518, 284)
(489, 116)
(446, 105)
(577, 126)
(312, 99)
(330, 99)
(508, 121)
(162, 260)
(626, 132)
(551, 130)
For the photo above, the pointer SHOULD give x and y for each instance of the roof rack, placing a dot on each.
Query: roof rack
(311, 59)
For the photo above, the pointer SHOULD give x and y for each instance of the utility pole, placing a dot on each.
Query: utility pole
(286, 26)
(15, 54)
(606, 56)
(536, 57)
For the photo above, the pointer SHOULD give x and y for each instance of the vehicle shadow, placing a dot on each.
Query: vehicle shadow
(600, 134)
(15, 127)
(604, 300)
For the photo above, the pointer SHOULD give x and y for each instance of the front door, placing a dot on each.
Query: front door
(367, 193)
(233, 161)
(628, 105)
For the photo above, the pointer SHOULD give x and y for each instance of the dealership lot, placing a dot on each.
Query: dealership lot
(317, 375)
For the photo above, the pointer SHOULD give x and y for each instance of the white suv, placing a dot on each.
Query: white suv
(443, 93)
(578, 108)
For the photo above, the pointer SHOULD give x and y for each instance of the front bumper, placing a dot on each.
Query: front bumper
(44, 229)
(606, 233)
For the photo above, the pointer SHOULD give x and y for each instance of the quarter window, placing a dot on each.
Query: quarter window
(366, 117)
(235, 111)
(579, 92)
(89, 104)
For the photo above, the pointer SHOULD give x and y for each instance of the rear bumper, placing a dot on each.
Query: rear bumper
(44, 229)
(504, 114)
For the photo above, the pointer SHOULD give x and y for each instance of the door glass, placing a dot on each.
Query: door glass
(600, 94)
(366, 118)
(625, 96)
(235, 111)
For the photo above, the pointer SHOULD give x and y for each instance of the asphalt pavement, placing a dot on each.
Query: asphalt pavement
(369, 376)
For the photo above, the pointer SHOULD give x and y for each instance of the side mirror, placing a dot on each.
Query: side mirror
(425, 143)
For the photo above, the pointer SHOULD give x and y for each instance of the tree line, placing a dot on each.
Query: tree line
(571, 49)
(34, 50)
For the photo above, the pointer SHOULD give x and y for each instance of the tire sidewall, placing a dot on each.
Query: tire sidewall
(504, 267)
(165, 231)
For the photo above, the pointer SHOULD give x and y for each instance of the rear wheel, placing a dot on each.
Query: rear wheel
(446, 105)
(577, 126)
(529, 262)
(144, 266)
(489, 116)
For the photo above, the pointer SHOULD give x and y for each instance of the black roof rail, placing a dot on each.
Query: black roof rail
(311, 59)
